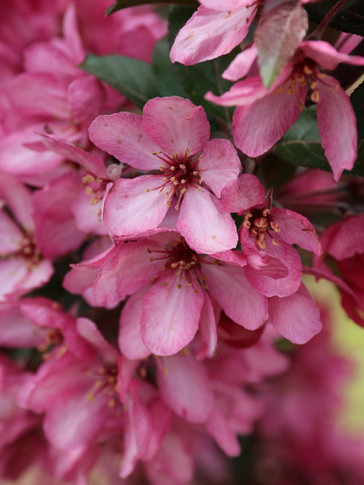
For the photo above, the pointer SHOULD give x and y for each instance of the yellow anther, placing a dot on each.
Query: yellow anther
(315, 96)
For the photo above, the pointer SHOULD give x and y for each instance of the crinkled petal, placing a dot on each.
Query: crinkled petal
(335, 110)
(170, 314)
(219, 164)
(296, 317)
(205, 226)
(133, 206)
(185, 387)
(239, 300)
(122, 135)
(176, 124)
(243, 194)
(209, 34)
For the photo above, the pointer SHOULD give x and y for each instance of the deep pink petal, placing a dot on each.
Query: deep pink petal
(170, 314)
(296, 317)
(16, 330)
(344, 238)
(296, 229)
(243, 194)
(133, 206)
(185, 387)
(225, 5)
(218, 427)
(335, 110)
(326, 55)
(205, 226)
(209, 34)
(230, 288)
(86, 97)
(130, 341)
(259, 126)
(241, 64)
(207, 330)
(122, 135)
(176, 125)
(219, 164)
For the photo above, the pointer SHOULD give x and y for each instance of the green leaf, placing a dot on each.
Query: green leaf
(348, 19)
(131, 77)
(301, 144)
(165, 72)
(277, 36)
(120, 4)
(197, 80)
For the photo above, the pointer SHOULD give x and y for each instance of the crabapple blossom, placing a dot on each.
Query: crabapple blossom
(171, 136)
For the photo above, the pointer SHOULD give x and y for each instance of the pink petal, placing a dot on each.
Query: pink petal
(88, 330)
(241, 93)
(218, 427)
(185, 387)
(335, 110)
(209, 34)
(207, 330)
(10, 235)
(219, 164)
(259, 126)
(243, 194)
(130, 341)
(296, 229)
(122, 135)
(344, 238)
(86, 97)
(274, 286)
(230, 288)
(176, 125)
(170, 314)
(19, 199)
(326, 55)
(241, 65)
(16, 330)
(207, 229)
(225, 5)
(133, 206)
(296, 317)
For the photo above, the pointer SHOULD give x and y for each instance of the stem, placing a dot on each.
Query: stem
(317, 33)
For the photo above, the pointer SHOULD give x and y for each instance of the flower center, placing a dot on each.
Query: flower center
(178, 174)
(27, 251)
(106, 383)
(260, 223)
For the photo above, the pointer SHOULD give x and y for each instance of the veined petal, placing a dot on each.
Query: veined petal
(185, 387)
(259, 126)
(243, 194)
(219, 164)
(170, 314)
(296, 317)
(205, 226)
(334, 111)
(239, 300)
(133, 206)
(122, 135)
(176, 125)
(209, 34)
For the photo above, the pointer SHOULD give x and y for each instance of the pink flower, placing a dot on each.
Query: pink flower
(263, 116)
(172, 136)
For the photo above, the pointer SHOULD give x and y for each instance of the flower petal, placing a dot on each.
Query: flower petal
(335, 110)
(296, 317)
(133, 206)
(170, 314)
(122, 135)
(219, 164)
(241, 64)
(326, 55)
(243, 194)
(176, 125)
(204, 225)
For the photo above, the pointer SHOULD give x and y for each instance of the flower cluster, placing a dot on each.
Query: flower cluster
(148, 267)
